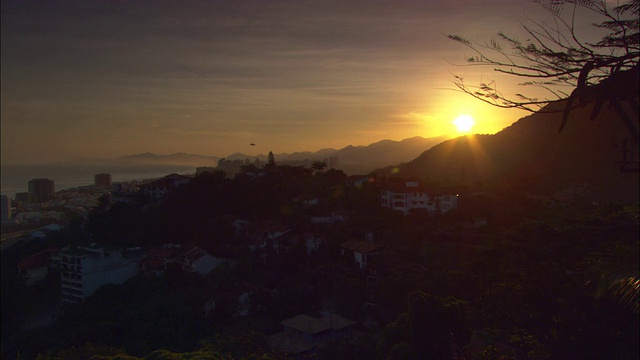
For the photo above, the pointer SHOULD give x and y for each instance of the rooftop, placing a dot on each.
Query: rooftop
(76, 252)
(360, 246)
(158, 253)
(38, 260)
(194, 253)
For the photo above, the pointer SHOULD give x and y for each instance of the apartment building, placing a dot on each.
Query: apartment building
(85, 269)
(412, 196)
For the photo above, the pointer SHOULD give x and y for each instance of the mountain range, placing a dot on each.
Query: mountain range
(532, 154)
(361, 159)
(352, 159)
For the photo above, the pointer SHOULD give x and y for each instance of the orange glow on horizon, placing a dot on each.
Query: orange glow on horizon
(456, 115)
(463, 114)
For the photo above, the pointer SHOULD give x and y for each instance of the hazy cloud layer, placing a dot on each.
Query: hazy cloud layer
(212, 76)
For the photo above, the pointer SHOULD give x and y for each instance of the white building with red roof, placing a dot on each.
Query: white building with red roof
(157, 260)
(412, 196)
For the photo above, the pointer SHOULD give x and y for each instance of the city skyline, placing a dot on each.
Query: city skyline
(114, 78)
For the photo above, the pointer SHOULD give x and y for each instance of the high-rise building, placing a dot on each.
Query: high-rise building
(102, 180)
(5, 208)
(332, 163)
(23, 197)
(41, 190)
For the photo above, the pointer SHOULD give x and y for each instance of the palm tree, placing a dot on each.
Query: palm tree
(616, 270)
(318, 166)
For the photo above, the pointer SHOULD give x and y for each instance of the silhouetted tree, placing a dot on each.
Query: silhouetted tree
(271, 161)
(318, 166)
(432, 328)
(335, 177)
(554, 59)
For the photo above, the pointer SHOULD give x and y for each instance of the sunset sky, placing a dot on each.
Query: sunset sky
(84, 79)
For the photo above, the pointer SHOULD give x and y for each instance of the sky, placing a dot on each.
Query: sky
(92, 79)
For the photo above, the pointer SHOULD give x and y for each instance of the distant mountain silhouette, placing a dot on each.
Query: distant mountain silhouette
(352, 159)
(360, 159)
(364, 159)
(532, 155)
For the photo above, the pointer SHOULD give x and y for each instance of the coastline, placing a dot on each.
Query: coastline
(15, 178)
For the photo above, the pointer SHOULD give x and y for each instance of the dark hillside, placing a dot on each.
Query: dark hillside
(532, 155)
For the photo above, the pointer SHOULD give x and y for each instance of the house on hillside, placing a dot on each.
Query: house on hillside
(156, 261)
(239, 225)
(413, 197)
(363, 251)
(269, 236)
(35, 267)
(312, 242)
(329, 219)
(357, 180)
(199, 261)
(304, 333)
(307, 200)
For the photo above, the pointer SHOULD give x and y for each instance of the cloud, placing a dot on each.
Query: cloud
(412, 118)
(307, 70)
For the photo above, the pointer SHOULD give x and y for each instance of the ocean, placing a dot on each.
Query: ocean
(15, 178)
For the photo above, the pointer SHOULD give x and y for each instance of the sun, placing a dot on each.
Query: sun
(464, 123)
